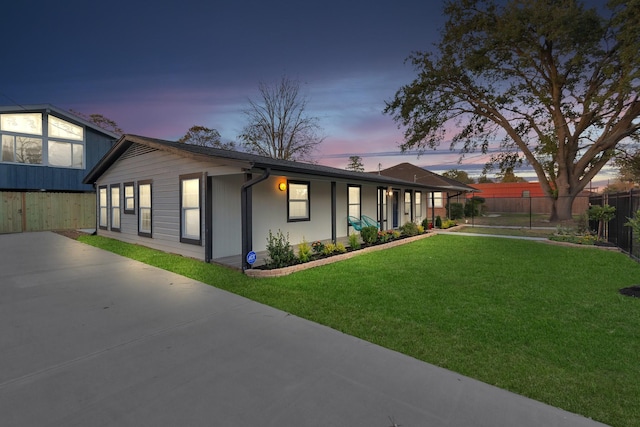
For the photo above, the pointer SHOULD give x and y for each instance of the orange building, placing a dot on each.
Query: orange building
(522, 197)
(509, 189)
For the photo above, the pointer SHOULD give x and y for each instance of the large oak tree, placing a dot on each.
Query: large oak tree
(551, 83)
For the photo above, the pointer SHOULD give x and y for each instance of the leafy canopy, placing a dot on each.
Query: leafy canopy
(205, 137)
(550, 83)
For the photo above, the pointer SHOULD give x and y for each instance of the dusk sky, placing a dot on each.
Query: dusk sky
(158, 68)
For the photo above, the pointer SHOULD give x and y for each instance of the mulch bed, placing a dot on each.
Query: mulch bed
(631, 291)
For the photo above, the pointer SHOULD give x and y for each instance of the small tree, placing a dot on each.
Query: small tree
(458, 175)
(100, 121)
(205, 137)
(355, 164)
(634, 223)
(602, 214)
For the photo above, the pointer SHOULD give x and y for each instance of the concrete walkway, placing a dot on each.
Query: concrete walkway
(90, 338)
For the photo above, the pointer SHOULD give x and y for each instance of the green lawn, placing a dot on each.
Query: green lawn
(543, 321)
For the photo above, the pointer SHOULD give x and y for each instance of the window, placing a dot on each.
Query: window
(354, 201)
(298, 201)
(24, 140)
(115, 207)
(129, 198)
(190, 223)
(21, 149)
(437, 200)
(144, 208)
(418, 198)
(407, 202)
(526, 193)
(103, 211)
(65, 154)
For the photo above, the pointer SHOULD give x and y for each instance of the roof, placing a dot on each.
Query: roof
(413, 173)
(48, 108)
(245, 160)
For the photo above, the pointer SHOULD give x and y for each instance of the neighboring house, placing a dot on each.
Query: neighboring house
(447, 190)
(220, 205)
(46, 152)
(522, 197)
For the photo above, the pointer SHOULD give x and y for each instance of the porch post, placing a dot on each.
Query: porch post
(334, 204)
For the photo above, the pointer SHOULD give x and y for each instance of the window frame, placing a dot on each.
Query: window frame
(131, 185)
(307, 201)
(141, 232)
(103, 209)
(408, 203)
(183, 237)
(350, 204)
(437, 200)
(117, 206)
(43, 135)
(417, 197)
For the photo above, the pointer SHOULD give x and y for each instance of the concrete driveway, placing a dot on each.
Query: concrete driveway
(90, 338)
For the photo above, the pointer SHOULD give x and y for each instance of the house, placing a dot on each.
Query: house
(220, 205)
(46, 152)
(448, 190)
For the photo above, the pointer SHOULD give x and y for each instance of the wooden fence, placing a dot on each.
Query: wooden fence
(40, 211)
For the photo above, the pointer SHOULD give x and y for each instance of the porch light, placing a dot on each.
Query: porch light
(389, 192)
(282, 186)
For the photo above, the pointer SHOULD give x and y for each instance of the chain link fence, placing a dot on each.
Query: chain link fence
(522, 212)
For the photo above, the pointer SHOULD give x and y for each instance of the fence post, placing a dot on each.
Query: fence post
(630, 216)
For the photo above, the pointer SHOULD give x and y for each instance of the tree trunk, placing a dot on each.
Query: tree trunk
(561, 208)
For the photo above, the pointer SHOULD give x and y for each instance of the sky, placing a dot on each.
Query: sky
(158, 68)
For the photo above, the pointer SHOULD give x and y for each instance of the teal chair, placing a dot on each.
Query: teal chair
(356, 223)
(370, 222)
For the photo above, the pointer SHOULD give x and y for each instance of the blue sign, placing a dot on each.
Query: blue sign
(251, 257)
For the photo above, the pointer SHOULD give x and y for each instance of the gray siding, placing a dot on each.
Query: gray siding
(269, 204)
(227, 221)
(164, 170)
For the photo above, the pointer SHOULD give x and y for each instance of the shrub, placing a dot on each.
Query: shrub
(384, 236)
(304, 251)
(369, 234)
(634, 223)
(340, 248)
(354, 241)
(438, 222)
(420, 229)
(409, 229)
(582, 224)
(456, 210)
(587, 239)
(395, 234)
(448, 223)
(329, 249)
(425, 223)
(279, 250)
(318, 247)
(472, 206)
